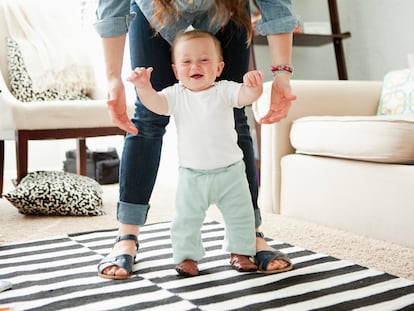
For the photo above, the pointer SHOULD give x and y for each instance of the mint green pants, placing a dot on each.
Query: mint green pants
(228, 189)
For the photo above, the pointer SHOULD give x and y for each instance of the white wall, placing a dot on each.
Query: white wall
(381, 38)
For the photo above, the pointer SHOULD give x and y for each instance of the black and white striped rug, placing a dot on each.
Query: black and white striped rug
(60, 274)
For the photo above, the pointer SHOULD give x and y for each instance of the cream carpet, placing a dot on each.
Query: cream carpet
(380, 255)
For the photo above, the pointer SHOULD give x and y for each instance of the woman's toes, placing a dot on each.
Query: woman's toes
(120, 272)
(277, 264)
(114, 270)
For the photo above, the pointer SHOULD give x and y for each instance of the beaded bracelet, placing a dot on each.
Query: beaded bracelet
(276, 69)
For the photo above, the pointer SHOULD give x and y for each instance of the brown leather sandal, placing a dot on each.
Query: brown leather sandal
(242, 263)
(187, 268)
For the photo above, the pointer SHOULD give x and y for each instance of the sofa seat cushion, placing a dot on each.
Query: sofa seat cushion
(384, 139)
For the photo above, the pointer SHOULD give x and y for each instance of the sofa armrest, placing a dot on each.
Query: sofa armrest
(333, 98)
(59, 114)
(7, 103)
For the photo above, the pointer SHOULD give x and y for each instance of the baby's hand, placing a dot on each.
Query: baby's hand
(253, 78)
(140, 77)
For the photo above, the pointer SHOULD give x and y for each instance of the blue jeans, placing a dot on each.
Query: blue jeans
(141, 154)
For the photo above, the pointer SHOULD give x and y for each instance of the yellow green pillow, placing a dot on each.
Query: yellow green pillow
(397, 95)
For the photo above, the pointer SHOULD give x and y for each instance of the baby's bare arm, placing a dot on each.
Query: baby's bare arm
(251, 88)
(150, 98)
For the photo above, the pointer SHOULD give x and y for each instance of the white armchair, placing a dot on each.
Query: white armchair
(42, 120)
(334, 161)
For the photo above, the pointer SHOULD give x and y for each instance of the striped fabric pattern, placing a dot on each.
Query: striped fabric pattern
(60, 274)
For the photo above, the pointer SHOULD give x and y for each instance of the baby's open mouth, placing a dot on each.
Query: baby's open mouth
(197, 76)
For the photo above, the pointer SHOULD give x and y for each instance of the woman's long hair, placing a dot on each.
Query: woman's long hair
(235, 10)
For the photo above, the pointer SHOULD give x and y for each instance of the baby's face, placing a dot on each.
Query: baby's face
(197, 63)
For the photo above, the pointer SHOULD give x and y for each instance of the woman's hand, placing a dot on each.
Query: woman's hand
(280, 100)
(117, 106)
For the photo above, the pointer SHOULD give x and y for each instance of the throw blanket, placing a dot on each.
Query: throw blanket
(50, 38)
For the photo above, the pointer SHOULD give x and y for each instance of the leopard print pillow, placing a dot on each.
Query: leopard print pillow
(21, 85)
(57, 193)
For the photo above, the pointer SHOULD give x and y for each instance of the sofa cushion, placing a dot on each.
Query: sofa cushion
(397, 96)
(386, 139)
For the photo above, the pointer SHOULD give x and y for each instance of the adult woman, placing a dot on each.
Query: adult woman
(152, 26)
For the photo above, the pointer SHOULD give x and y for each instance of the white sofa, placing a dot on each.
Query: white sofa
(50, 119)
(359, 195)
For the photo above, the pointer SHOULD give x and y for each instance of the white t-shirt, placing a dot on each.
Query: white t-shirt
(206, 135)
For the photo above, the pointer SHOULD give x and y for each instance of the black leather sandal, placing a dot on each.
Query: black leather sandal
(263, 258)
(124, 261)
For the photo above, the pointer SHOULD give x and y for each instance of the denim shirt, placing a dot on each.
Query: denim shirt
(114, 17)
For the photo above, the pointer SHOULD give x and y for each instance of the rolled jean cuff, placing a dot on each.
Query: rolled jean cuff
(132, 214)
(257, 218)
